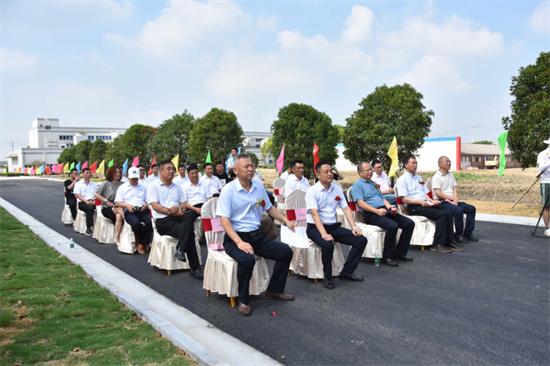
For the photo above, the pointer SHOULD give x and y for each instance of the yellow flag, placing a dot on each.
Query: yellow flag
(176, 160)
(101, 169)
(392, 153)
(66, 169)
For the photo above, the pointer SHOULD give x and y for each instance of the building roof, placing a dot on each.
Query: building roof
(481, 149)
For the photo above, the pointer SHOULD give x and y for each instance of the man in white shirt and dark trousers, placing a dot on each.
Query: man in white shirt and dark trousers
(131, 196)
(380, 177)
(240, 208)
(543, 163)
(169, 205)
(322, 199)
(444, 188)
(296, 180)
(412, 189)
(84, 190)
(211, 182)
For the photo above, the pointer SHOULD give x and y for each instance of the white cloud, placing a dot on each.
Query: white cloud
(540, 19)
(86, 97)
(266, 22)
(16, 59)
(358, 25)
(121, 8)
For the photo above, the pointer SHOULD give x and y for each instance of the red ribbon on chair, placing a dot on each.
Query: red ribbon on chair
(352, 206)
(276, 191)
(97, 202)
(431, 195)
(206, 224)
(291, 215)
(399, 200)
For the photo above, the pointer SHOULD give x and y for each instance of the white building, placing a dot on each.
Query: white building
(47, 139)
(253, 141)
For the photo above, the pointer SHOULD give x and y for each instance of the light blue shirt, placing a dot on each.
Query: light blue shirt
(408, 185)
(366, 190)
(325, 201)
(244, 209)
(165, 195)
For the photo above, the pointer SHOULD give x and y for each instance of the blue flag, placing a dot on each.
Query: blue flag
(125, 168)
(77, 167)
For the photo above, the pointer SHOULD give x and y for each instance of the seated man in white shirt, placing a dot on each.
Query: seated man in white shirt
(380, 177)
(240, 207)
(444, 188)
(323, 229)
(142, 176)
(195, 191)
(414, 193)
(286, 173)
(212, 183)
(181, 177)
(131, 196)
(155, 173)
(84, 190)
(296, 180)
(169, 205)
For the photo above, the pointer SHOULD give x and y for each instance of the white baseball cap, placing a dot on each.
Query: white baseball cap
(547, 141)
(133, 172)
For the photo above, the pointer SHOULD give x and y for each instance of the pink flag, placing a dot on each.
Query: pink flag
(32, 172)
(281, 160)
(135, 162)
(85, 165)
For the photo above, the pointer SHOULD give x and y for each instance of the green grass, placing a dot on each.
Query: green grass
(51, 312)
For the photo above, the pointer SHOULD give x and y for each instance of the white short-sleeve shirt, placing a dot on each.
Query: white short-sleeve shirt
(445, 182)
(134, 195)
(325, 201)
(85, 190)
(212, 184)
(292, 183)
(195, 193)
(382, 180)
(165, 195)
(179, 180)
(244, 209)
(543, 162)
(409, 185)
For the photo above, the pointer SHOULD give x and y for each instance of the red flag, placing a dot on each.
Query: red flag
(59, 169)
(48, 170)
(93, 167)
(84, 166)
(135, 162)
(315, 156)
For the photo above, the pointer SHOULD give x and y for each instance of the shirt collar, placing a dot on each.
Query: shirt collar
(241, 188)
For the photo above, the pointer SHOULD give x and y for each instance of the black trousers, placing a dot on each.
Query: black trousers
(71, 202)
(341, 235)
(108, 213)
(458, 217)
(181, 228)
(391, 223)
(140, 221)
(89, 210)
(270, 249)
(442, 218)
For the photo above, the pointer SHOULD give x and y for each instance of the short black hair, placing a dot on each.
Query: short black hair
(234, 148)
(296, 161)
(410, 157)
(192, 166)
(376, 161)
(83, 170)
(219, 162)
(320, 164)
(73, 170)
(163, 162)
(181, 165)
(207, 164)
(141, 166)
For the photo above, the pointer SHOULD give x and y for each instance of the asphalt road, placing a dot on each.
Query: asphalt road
(487, 305)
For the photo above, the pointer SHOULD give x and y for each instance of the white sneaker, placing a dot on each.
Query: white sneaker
(547, 232)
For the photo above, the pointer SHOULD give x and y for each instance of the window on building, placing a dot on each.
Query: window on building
(91, 138)
(48, 127)
(65, 137)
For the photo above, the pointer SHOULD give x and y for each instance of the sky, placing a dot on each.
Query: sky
(119, 62)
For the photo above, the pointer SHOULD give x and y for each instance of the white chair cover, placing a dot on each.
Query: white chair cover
(220, 270)
(424, 229)
(104, 230)
(306, 260)
(79, 224)
(66, 216)
(127, 242)
(278, 192)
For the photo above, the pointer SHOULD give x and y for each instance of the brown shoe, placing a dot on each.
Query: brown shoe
(245, 310)
(279, 296)
(141, 249)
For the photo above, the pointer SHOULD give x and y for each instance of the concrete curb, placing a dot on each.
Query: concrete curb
(505, 219)
(198, 338)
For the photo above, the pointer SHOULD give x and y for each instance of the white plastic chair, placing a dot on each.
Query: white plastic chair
(306, 260)
(66, 216)
(79, 224)
(104, 230)
(127, 242)
(220, 270)
(424, 229)
(278, 191)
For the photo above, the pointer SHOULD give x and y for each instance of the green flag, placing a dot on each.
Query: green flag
(208, 158)
(502, 160)
(71, 167)
(111, 163)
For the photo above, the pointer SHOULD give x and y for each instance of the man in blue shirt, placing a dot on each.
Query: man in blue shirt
(240, 207)
(376, 210)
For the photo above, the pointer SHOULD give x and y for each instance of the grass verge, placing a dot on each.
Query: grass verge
(52, 313)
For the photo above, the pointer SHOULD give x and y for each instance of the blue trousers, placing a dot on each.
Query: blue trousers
(458, 217)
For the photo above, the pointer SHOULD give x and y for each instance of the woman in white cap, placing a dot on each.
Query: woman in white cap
(543, 162)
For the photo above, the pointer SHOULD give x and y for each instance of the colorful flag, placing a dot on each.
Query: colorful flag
(66, 168)
(315, 157)
(502, 160)
(85, 165)
(125, 168)
(153, 162)
(392, 153)
(93, 167)
(281, 160)
(101, 169)
(41, 169)
(19, 169)
(176, 161)
(135, 162)
(71, 167)
(208, 158)
(48, 170)
(111, 163)
(32, 172)
(77, 166)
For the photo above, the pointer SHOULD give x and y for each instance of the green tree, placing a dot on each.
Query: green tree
(254, 159)
(82, 150)
(266, 147)
(217, 131)
(341, 132)
(133, 142)
(172, 137)
(529, 124)
(387, 112)
(67, 155)
(483, 142)
(97, 151)
(299, 126)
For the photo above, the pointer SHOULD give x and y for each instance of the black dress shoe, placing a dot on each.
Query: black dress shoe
(470, 237)
(390, 262)
(181, 256)
(459, 239)
(328, 283)
(404, 258)
(455, 248)
(196, 273)
(351, 277)
(244, 309)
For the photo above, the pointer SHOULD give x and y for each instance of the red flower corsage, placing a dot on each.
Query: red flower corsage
(338, 198)
(260, 203)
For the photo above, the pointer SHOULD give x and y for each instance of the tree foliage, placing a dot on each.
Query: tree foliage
(341, 132)
(82, 150)
(97, 150)
(483, 142)
(172, 137)
(299, 126)
(387, 112)
(67, 155)
(133, 142)
(529, 124)
(217, 131)
(266, 147)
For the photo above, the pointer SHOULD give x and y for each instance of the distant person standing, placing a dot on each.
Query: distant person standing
(70, 198)
(221, 174)
(543, 162)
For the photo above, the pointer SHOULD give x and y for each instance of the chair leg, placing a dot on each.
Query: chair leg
(422, 248)
(232, 302)
(168, 272)
(207, 292)
(315, 280)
